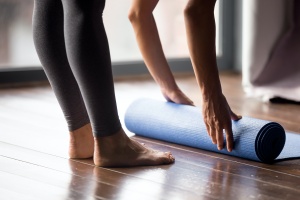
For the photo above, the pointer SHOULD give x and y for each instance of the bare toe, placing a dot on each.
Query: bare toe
(168, 158)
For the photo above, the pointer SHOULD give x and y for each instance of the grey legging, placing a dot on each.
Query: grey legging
(71, 43)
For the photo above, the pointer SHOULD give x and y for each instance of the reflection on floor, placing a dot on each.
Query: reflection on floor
(31, 168)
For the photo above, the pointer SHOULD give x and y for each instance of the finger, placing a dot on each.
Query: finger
(183, 101)
(220, 138)
(192, 103)
(234, 116)
(187, 101)
(213, 135)
(229, 139)
(208, 129)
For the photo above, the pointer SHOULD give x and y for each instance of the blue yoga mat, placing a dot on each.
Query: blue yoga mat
(254, 139)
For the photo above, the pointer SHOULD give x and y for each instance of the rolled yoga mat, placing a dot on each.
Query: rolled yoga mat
(254, 139)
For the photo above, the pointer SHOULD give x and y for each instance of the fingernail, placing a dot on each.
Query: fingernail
(229, 150)
(220, 148)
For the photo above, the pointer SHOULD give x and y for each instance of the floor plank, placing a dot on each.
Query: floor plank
(30, 116)
(105, 183)
(290, 167)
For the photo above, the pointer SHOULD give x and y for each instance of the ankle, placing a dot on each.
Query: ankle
(81, 142)
(83, 132)
(112, 141)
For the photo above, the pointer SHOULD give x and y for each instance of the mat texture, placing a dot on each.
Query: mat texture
(254, 139)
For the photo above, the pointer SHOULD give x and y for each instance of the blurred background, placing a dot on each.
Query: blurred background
(257, 38)
(18, 58)
(16, 43)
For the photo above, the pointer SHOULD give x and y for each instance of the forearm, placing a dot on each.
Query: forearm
(149, 43)
(200, 27)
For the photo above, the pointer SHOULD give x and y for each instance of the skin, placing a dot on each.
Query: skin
(117, 150)
(143, 22)
(216, 112)
(81, 142)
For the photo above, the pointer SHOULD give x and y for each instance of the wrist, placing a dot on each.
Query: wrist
(168, 85)
(211, 91)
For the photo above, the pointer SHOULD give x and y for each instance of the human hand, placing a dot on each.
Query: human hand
(177, 96)
(217, 117)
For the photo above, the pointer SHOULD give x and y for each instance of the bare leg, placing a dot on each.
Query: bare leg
(200, 27)
(147, 36)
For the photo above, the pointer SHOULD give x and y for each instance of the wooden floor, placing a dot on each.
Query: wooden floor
(34, 162)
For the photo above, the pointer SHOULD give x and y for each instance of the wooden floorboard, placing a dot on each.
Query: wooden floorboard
(105, 183)
(34, 162)
(30, 188)
(290, 167)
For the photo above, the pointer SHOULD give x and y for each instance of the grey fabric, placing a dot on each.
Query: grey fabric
(284, 62)
(271, 65)
(71, 43)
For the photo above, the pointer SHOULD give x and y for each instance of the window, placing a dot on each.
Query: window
(19, 61)
(16, 45)
(169, 19)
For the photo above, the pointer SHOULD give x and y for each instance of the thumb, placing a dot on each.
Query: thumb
(234, 116)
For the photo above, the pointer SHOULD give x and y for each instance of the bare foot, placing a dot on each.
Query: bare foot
(177, 96)
(81, 142)
(120, 151)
